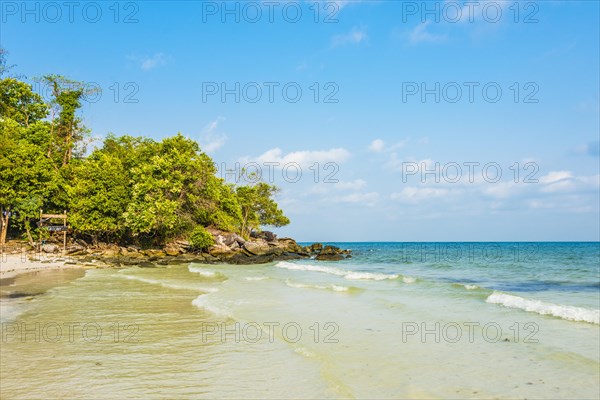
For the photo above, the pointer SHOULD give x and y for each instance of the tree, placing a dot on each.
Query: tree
(26, 173)
(258, 207)
(67, 129)
(19, 103)
(28, 178)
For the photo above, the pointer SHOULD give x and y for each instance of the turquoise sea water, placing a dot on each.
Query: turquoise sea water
(397, 320)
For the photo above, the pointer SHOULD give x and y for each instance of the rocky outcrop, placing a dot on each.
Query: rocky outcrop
(229, 247)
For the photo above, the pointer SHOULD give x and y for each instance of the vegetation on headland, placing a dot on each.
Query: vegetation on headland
(130, 190)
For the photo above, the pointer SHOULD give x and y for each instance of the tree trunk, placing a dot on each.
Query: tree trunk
(4, 230)
(29, 237)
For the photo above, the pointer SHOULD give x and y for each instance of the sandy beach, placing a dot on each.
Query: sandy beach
(12, 265)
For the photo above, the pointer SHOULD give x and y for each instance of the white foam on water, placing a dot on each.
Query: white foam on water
(409, 279)
(313, 268)
(471, 287)
(165, 284)
(303, 351)
(202, 272)
(336, 271)
(570, 313)
(369, 276)
(204, 302)
(256, 278)
(335, 288)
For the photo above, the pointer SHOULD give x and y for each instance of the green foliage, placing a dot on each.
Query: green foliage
(258, 207)
(201, 239)
(19, 103)
(129, 190)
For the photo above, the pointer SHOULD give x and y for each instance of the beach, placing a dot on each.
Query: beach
(12, 265)
(384, 324)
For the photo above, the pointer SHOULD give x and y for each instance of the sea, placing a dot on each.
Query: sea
(394, 321)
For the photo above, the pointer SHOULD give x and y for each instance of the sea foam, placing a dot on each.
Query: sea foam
(335, 288)
(349, 275)
(165, 284)
(556, 310)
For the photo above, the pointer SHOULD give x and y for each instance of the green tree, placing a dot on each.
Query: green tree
(67, 128)
(258, 207)
(19, 103)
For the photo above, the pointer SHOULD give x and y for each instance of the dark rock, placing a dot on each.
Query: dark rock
(266, 235)
(146, 264)
(330, 257)
(233, 239)
(316, 247)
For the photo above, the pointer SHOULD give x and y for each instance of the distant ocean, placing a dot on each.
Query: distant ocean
(397, 320)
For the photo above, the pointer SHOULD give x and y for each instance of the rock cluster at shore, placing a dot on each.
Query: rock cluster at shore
(228, 248)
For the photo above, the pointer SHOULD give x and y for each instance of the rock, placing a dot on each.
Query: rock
(110, 253)
(153, 253)
(316, 247)
(232, 239)
(50, 248)
(75, 249)
(220, 240)
(172, 250)
(266, 235)
(146, 264)
(290, 245)
(330, 257)
(330, 250)
(219, 250)
(257, 248)
(184, 244)
(332, 253)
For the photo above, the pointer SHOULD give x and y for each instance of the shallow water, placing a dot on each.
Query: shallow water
(395, 321)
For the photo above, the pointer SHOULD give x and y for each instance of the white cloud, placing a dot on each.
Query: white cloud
(413, 194)
(325, 187)
(157, 60)
(420, 35)
(591, 149)
(355, 36)
(353, 185)
(212, 140)
(303, 158)
(377, 146)
(368, 199)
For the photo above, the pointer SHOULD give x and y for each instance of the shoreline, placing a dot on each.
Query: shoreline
(229, 248)
(13, 265)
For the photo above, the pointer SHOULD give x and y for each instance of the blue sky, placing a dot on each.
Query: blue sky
(389, 89)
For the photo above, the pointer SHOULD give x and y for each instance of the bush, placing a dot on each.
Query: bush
(201, 239)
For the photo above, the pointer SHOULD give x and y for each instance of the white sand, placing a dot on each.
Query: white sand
(12, 265)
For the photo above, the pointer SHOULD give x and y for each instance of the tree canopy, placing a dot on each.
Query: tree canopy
(128, 190)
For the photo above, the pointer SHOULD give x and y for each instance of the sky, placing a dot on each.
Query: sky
(378, 120)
